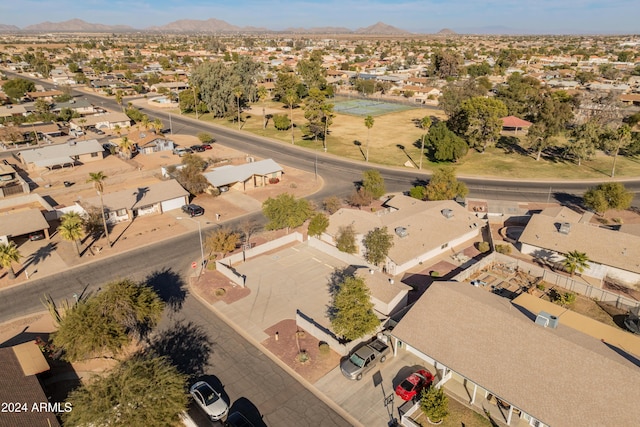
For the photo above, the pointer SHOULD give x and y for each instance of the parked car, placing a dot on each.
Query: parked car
(478, 283)
(236, 419)
(224, 188)
(207, 146)
(181, 151)
(193, 210)
(411, 386)
(209, 400)
(197, 148)
(364, 359)
(38, 235)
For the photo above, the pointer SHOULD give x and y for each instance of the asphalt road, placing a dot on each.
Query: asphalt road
(191, 334)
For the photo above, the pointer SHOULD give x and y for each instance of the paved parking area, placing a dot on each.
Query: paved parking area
(362, 399)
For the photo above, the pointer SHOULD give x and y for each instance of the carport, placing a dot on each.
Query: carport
(20, 223)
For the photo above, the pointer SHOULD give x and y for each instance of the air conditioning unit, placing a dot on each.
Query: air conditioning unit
(545, 320)
(553, 321)
(447, 213)
(401, 231)
(565, 228)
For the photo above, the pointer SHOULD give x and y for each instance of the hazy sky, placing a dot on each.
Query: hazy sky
(527, 16)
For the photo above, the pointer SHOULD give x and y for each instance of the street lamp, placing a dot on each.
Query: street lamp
(201, 247)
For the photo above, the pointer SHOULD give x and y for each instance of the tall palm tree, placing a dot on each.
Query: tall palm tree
(158, 125)
(126, 145)
(238, 94)
(368, 122)
(98, 178)
(262, 95)
(425, 124)
(576, 261)
(72, 228)
(291, 97)
(145, 122)
(9, 254)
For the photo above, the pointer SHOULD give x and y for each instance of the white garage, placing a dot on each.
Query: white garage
(169, 205)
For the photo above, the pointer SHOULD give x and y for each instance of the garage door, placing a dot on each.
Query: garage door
(168, 205)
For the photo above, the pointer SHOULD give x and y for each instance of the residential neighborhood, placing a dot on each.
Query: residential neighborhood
(318, 227)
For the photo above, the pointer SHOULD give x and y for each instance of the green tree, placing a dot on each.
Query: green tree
(17, 88)
(352, 309)
(72, 228)
(608, 195)
(262, 96)
(312, 72)
(434, 404)
(443, 185)
(585, 140)
(445, 145)
(455, 93)
(418, 192)
(238, 92)
(445, 63)
(141, 391)
(222, 240)
(98, 179)
(9, 254)
(539, 138)
(616, 140)
(377, 243)
(346, 240)
(368, 122)
(425, 124)
(285, 211)
(332, 204)
(313, 112)
(576, 261)
(373, 183)
(521, 95)
(480, 120)
(106, 322)
(286, 81)
(281, 122)
(205, 137)
(318, 224)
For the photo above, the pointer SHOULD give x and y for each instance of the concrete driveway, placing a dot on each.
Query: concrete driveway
(363, 399)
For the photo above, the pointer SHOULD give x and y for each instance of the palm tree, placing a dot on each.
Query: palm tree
(621, 137)
(9, 254)
(425, 124)
(145, 122)
(262, 95)
(576, 261)
(98, 178)
(126, 145)
(291, 97)
(72, 228)
(368, 122)
(238, 94)
(327, 116)
(158, 125)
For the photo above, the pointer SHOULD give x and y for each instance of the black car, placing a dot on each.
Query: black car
(236, 419)
(193, 210)
(197, 148)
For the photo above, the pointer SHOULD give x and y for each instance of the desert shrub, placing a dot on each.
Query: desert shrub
(484, 247)
(273, 180)
(281, 121)
(503, 249)
(324, 348)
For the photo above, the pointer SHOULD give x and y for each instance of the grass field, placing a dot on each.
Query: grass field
(394, 140)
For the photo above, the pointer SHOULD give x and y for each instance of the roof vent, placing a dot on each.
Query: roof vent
(447, 213)
(545, 320)
(401, 231)
(565, 228)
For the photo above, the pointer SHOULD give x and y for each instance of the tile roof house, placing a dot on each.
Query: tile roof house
(20, 385)
(481, 344)
(70, 153)
(246, 176)
(420, 230)
(108, 120)
(152, 199)
(612, 254)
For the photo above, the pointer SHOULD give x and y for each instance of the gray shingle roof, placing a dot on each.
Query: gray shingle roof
(560, 376)
(140, 196)
(60, 153)
(21, 222)
(227, 175)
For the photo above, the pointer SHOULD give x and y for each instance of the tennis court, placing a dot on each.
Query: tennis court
(366, 107)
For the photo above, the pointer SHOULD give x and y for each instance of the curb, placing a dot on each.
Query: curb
(306, 384)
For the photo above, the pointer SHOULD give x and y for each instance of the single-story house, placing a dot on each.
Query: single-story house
(513, 123)
(535, 366)
(11, 182)
(387, 296)
(19, 385)
(107, 121)
(421, 230)
(7, 111)
(47, 95)
(49, 129)
(554, 232)
(246, 176)
(21, 223)
(630, 98)
(80, 106)
(61, 155)
(150, 142)
(126, 205)
(171, 86)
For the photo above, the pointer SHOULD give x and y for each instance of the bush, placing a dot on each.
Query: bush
(332, 204)
(324, 348)
(434, 274)
(484, 247)
(273, 180)
(281, 121)
(540, 286)
(434, 404)
(303, 357)
(563, 298)
(503, 249)
(418, 192)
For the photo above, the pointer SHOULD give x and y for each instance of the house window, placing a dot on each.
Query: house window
(94, 154)
(446, 245)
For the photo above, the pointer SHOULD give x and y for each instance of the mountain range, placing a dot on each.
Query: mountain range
(211, 25)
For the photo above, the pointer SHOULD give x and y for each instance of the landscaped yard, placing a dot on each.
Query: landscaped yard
(459, 415)
(395, 141)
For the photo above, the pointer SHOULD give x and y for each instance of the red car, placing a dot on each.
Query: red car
(413, 384)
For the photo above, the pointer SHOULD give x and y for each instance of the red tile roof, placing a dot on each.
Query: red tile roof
(515, 122)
